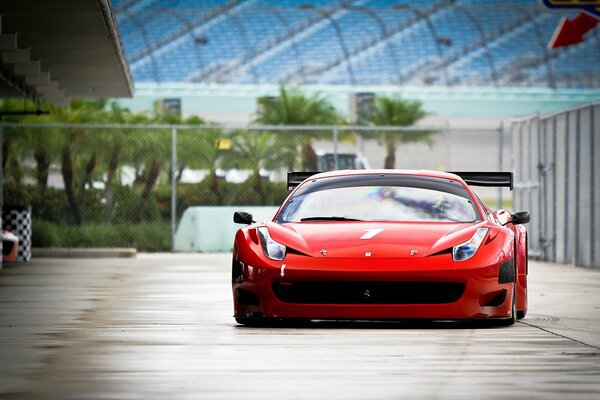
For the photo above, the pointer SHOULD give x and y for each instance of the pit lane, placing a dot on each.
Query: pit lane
(160, 326)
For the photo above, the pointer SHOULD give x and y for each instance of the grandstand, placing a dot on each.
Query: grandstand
(460, 43)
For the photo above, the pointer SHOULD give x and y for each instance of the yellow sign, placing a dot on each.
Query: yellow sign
(223, 144)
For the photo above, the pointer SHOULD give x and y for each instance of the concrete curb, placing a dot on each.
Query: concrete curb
(75, 252)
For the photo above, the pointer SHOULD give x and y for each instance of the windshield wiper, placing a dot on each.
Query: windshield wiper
(308, 219)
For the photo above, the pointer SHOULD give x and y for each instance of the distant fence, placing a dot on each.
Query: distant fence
(557, 178)
(128, 185)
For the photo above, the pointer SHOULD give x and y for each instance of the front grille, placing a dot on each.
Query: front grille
(367, 292)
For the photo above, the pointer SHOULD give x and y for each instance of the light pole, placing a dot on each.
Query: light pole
(277, 13)
(483, 39)
(437, 39)
(382, 27)
(196, 40)
(338, 32)
(142, 30)
(242, 32)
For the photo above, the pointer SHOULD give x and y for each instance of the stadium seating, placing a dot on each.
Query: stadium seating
(430, 42)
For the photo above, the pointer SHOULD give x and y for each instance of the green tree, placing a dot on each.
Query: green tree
(191, 145)
(151, 151)
(117, 141)
(293, 107)
(256, 151)
(197, 149)
(80, 151)
(395, 111)
(19, 144)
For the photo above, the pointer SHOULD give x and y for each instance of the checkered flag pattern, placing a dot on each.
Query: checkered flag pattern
(18, 221)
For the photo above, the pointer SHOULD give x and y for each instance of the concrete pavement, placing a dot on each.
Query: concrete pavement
(160, 326)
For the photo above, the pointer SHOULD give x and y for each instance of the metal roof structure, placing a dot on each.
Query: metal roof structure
(59, 49)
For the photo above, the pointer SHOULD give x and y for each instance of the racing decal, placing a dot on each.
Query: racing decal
(591, 6)
(371, 233)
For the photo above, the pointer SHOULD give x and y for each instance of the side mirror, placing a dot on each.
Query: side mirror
(240, 217)
(521, 217)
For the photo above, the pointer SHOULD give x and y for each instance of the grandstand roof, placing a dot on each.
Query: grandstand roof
(353, 42)
(57, 49)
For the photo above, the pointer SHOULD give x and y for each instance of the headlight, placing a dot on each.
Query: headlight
(466, 250)
(272, 249)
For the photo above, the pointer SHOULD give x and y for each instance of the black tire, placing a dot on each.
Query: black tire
(252, 322)
(521, 314)
(272, 322)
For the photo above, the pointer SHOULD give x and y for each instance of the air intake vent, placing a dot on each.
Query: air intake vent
(366, 292)
(507, 272)
(237, 271)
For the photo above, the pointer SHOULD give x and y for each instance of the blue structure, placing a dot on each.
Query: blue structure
(353, 42)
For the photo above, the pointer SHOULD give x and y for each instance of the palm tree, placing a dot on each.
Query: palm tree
(395, 111)
(293, 107)
(117, 141)
(197, 149)
(256, 151)
(22, 143)
(191, 144)
(80, 153)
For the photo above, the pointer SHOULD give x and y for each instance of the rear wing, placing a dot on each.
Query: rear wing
(487, 179)
(296, 178)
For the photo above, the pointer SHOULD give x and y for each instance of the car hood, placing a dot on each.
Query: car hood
(379, 239)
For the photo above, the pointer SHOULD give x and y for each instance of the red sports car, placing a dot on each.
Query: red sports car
(382, 244)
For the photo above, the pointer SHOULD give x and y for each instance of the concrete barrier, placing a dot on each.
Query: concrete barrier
(211, 229)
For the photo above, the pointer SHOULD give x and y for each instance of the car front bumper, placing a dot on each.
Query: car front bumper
(482, 296)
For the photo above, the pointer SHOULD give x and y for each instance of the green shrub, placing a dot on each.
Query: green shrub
(152, 236)
(45, 234)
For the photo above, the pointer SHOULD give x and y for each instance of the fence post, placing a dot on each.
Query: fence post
(1, 183)
(566, 191)
(544, 187)
(554, 191)
(500, 158)
(540, 171)
(173, 185)
(592, 188)
(577, 246)
(335, 147)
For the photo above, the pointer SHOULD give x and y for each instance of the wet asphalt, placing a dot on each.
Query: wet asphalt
(160, 327)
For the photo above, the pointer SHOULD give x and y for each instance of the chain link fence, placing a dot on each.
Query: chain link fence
(556, 179)
(128, 185)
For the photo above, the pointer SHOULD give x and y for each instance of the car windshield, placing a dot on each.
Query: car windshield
(379, 203)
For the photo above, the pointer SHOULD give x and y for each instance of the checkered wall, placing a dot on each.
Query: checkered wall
(18, 221)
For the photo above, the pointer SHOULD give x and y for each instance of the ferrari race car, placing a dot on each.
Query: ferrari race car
(380, 245)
